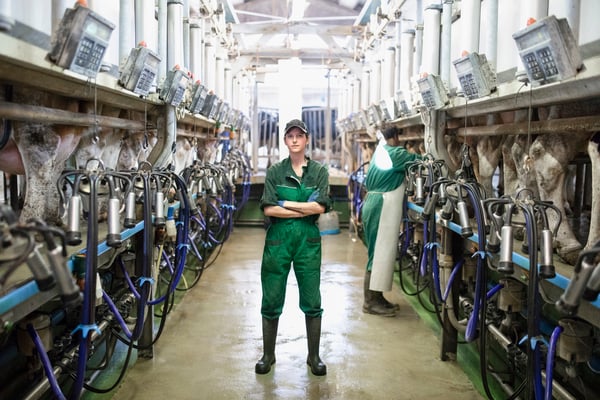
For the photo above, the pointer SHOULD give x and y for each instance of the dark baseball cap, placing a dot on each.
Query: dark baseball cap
(295, 123)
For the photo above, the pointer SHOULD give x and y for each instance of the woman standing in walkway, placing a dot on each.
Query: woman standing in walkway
(296, 192)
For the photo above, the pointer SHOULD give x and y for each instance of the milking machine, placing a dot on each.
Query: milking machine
(93, 181)
(357, 191)
(457, 246)
(237, 166)
(211, 192)
(75, 304)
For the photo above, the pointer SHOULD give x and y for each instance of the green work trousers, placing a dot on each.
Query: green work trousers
(297, 242)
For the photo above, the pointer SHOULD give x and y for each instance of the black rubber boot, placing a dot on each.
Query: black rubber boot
(313, 333)
(384, 302)
(269, 328)
(372, 302)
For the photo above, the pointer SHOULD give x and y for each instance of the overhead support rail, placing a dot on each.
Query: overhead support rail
(24, 64)
(518, 95)
(46, 115)
(562, 125)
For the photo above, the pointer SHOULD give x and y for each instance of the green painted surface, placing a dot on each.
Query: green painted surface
(251, 213)
(467, 353)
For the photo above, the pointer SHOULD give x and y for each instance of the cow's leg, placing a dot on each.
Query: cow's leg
(44, 150)
(551, 154)
(510, 182)
(44, 155)
(594, 153)
(489, 150)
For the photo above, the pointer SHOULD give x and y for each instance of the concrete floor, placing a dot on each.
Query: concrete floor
(213, 339)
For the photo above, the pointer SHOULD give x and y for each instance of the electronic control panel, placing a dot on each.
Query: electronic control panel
(433, 92)
(548, 50)
(475, 75)
(80, 41)
(140, 70)
(174, 86)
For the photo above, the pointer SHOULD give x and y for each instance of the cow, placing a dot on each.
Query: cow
(185, 153)
(538, 163)
(43, 149)
(551, 155)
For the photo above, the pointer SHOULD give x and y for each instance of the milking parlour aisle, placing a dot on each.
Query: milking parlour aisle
(213, 339)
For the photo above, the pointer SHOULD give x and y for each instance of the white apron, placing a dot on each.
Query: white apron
(386, 246)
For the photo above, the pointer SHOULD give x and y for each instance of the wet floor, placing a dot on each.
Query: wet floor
(213, 339)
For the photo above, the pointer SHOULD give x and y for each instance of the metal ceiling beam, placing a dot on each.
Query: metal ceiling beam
(282, 52)
(297, 28)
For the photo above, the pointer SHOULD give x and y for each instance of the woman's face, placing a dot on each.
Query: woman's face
(296, 140)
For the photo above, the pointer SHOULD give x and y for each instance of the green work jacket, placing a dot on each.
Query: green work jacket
(282, 183)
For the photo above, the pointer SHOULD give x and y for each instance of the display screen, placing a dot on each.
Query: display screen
(96, 28)
(463, 66)
(424, 85)
(534, 37)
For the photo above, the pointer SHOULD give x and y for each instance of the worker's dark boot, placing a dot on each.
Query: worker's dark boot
(269, 328)
(313, 333)
(372, 302)
(384, 302)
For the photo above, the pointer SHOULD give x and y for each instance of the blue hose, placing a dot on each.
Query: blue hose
(423, 265)
(471, 331)
(117, 314)
(550, 361)
(436, 279)
(533, 312)
(45, 362)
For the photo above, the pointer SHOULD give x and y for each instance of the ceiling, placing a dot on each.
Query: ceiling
(321, 32)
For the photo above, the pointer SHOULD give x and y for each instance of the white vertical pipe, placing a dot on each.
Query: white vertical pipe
(227, 83)
(238, 92)
(186, 33)
(364, 89)
(196, 50)
(202, 50)
(536, 9)
(162, 40)
(491, 32)
(353, 94)
(246, 95)
(375, 82)
(571, 10)
(58, 11)
(235, 92)
(397, 55)
(255, 132)
(406, 62)
(146, 26)
(573, 17)
(209, 64)
(446, 43)
(471, 12)
(356, 95)
(219, 75)
(418, 42)
(328, 149)
(127, 29)
(246, 86)
(431, 40)
(344, 100)
(174, 33)
(387, 71)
